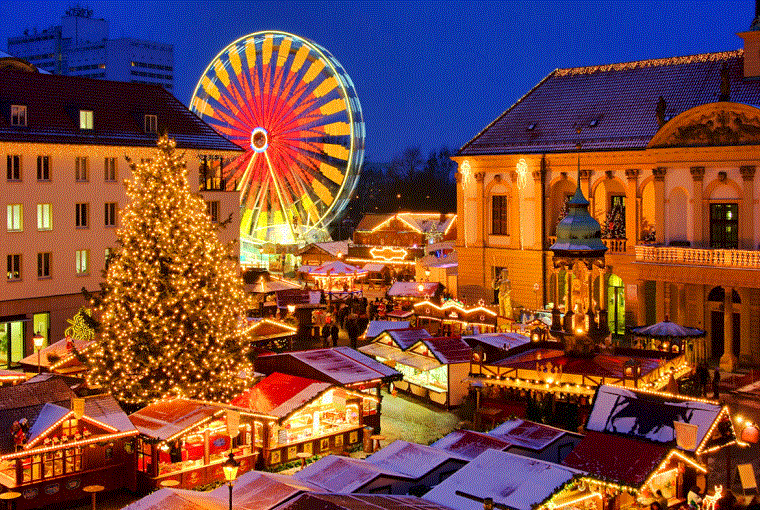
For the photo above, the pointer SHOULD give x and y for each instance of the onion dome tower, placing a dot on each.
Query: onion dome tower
(579, 241)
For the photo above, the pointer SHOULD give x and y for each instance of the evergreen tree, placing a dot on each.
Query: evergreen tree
(172, 306)
(614, 224)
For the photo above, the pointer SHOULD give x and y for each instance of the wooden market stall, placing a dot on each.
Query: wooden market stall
(189, 440)
(55, 443)
(59, 357)
(454, 318)
(307, 416)
(434, 368)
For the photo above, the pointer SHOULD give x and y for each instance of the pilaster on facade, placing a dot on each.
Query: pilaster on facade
(480, 222)
(748, 218)
(538, 205)
(632, 208)
(659, 203)
(697, 176)
(460, 208)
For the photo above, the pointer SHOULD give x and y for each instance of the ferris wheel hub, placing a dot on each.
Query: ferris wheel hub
(259, 139)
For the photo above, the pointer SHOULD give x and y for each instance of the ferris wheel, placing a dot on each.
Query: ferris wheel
(293, 109)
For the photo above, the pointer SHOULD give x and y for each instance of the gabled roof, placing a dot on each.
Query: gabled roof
(257, 490)
(311, 501)
(503, 341)
(53, 103)
(613, 105)
(528, 434)
(58, 354)
(625, 460)
(167, 418)
(280, 394)
(405, 338)
(411, 459)
(448, 349)
(649, 415)
(422, 222)
(49, 415)
(178, 499)
(468, 444)
(374, 328)
(344, 474)
(600, 365)
(511, 480)
(411, 289)
(337, 365)
(332, 248)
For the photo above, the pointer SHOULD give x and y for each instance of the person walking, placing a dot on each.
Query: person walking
(326, 335)
(334, 332)
(703, 377)
(352, 326)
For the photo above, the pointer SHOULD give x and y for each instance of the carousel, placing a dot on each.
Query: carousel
(337, 278)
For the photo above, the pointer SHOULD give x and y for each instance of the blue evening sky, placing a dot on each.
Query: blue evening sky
(427, 73)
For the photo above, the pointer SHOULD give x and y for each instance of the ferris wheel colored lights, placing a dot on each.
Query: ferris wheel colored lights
(294, 111)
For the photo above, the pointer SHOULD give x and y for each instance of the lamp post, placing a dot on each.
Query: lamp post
(38, 341)
(230, 468)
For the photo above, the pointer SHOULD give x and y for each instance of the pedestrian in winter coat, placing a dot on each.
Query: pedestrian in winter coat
(325, 335)
(334, 332)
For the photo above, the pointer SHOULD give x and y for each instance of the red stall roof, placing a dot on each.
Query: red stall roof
(280, 394)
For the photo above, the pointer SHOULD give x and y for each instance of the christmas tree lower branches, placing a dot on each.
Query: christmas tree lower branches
(172, 307)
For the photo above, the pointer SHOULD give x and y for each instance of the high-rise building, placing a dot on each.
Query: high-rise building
(80, 46)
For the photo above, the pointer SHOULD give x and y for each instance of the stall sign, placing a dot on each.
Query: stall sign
(233, 423)
(77, 405)
(339, 399)
(282, 436)
(686, 435)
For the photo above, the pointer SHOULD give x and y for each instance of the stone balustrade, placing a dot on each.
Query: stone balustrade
(613, 245)
(742, 259)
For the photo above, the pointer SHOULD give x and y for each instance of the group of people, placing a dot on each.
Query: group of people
(702, 378)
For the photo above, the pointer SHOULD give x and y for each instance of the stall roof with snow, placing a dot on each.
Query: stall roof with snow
(337, 365)
(448, 350)
(311, 501)
(529, 434)
(257, 490)
(280, 394)
(412, 459)
(59, 357)
(511, 480)
(403, 338)
(504, 341)
(651, 415)
(411, 289)
(346, 474)
(178, 499)
(374, 328)
(468, 444)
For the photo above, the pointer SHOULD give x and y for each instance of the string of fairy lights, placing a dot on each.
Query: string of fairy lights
(172, 303)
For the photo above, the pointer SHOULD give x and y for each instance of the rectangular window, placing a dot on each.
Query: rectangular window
(499, 218)
(43, 168)
(82, 215)
(82, 261)
(110, 214)
(14, 167)
(43, 265)
(210, 173)
(18, 115)
(44, 217)
(109, 169)
(212, 209)
(724, 226)
(86, 119)
(81, 169)
(14, 266)
(151, 124)
(15, 218)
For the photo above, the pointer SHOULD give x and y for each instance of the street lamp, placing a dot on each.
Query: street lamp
(230, 468)
(38, 341)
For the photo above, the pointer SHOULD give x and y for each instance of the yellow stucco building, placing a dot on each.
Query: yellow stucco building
(666, 152)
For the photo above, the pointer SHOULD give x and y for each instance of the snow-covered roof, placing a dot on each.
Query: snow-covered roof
(511, 480)
(179, 499)
(337, 268)
(405, 338)
(165, 418)
(257, 490)
(280, 394)
(333, 248)
(373, 267)
(56, 352)
(468, 444)
(359, 502)
(504, 341)
(49, 415)
(343, 474)
(449, 349)
(647, 415)
(392, 352)
(374, 328)
(527, 434)
(411, 459)
(411, 289)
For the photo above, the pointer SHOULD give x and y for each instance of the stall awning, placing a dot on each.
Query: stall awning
(371, 267)
(405, 358)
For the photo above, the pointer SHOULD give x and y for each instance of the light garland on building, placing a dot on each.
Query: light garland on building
(172, 301)
(71, 444)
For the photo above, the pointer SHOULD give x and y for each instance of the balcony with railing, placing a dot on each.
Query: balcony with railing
(613, 245)
(738, 259)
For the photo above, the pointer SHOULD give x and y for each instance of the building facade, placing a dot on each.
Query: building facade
(80, 46)
(63, 142)
(666, 152)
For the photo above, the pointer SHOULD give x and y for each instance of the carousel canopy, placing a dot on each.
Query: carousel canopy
(337, 268)
(667, 329)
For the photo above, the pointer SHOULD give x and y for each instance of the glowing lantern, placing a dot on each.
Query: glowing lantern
(750, 434)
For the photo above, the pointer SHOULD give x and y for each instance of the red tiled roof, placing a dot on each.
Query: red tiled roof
(628, 461)
(621, 98)
(53, 103)
(271, 394)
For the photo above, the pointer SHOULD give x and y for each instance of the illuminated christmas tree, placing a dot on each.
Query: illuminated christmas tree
(172, 307)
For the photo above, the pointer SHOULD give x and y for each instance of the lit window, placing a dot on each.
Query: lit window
(14, 266)
(18, 115)
(82, 215)
(43, 168)
(81, 169)
(82, 261)
(86, 118)
(212, 209)
(44, 217)
(499, 216)
(109, 169)
(43, 265)
(15, 218)
(14, 167)
(151, 123)
(110, 214)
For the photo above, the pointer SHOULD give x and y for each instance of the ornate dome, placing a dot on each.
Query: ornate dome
(579, 235)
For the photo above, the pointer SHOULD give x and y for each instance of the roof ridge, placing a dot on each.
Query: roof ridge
(652, 62)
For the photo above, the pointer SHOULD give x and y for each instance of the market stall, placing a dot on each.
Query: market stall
(454, 318)
(307, 416)
(188, 441)
(337, 276)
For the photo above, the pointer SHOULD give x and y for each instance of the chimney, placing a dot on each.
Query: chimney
(752, 46)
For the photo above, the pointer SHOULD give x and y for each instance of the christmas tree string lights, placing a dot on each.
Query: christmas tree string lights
(172, 307)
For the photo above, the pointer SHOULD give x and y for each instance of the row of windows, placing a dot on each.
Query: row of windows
(146, 74)
(152, 66)
(88, 67)
(167, 86)
(44, 264)
(15, 216)
(86, 117)
(81, 168)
